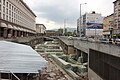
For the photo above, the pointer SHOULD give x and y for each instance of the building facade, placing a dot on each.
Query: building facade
(112, 22)
(40, 29)
(16, 19)
(117, 14)
(108, 23)
(51, 33)
(91, 22)
(116, 30)
(60, 32)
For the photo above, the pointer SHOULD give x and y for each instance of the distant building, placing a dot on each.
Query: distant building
(108, 23)
(71, 32)
(16, 19)
(60, 32)
(75, 33)
(117, 14)
(51, 33)
(40, 29)
(94, 33)
(116, 30)
(112, 22)
(91, 24)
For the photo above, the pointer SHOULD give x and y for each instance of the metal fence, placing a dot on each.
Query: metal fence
(106, 66)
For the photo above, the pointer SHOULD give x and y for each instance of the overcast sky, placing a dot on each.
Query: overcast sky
(52, 13)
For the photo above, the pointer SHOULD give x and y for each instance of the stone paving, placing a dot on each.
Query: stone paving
(53, 72)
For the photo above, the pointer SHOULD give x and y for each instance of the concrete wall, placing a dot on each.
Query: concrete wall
(105, 48)
(92, 75)
(109, 49)
(68, 49)
(85, 46)
(71, 50)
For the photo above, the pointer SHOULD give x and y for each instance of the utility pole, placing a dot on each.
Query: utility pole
(80, 20)
(64, 27)
(65, 24)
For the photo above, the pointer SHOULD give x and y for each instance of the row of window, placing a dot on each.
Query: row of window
(15, 15)
(117, 3)
(117, 13)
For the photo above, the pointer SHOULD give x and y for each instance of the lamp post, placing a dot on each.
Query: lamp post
(64, 27)
(80, 20)
(111, 32)
(110, 39)
(65, 24)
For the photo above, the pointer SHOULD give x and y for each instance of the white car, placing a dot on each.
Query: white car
(117, 41)
(70, 37)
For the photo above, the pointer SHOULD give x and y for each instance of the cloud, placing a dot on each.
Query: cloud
(47, 23)
(53, 12)
(56, 10)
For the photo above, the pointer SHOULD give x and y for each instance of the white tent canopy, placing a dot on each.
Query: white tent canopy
(18, 58)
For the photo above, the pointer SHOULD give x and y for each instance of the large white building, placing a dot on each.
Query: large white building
(90, 22)
(40, 29)
(16, 19)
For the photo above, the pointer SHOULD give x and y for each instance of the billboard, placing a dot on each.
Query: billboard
(93, 25)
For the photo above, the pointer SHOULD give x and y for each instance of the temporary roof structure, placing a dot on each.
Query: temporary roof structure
(19, 58)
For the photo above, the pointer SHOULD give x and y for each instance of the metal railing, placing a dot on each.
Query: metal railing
(5, 71)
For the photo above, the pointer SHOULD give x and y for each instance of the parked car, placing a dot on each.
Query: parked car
(70, 38)
(104, 40)
(117, 41)
(91, 39)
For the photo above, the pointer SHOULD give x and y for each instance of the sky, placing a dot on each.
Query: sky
(53, 13)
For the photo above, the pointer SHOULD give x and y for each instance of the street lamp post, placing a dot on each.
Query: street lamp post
(64, 27)
(65, 23)
(110, 39)
(80, 20)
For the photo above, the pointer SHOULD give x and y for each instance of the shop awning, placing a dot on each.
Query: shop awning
(15, 28)
(19, 28)
(4, 25)
(10, 26)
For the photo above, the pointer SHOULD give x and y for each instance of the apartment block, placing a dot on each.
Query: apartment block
(117, 14)
(108, 23)
(91, 24)
(116, 31)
